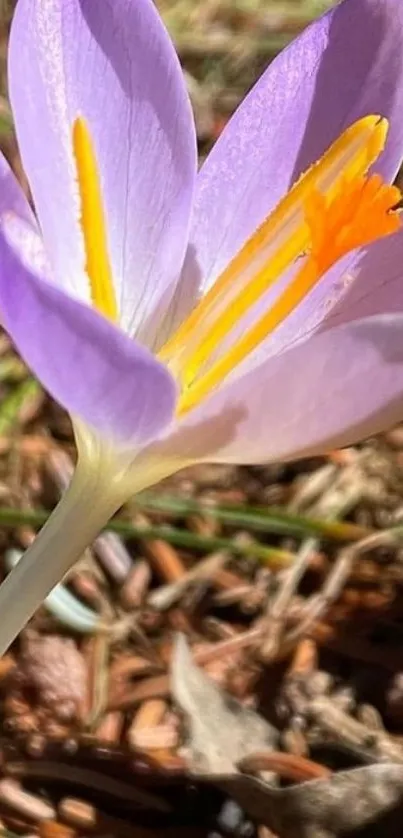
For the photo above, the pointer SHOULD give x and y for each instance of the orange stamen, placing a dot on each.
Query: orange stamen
(332, 247)
(353, 211)
(358, 215)
(277, 243)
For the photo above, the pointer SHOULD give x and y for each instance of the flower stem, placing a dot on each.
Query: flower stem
(80, 515)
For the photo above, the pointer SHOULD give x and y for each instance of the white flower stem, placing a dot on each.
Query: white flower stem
(83, 510)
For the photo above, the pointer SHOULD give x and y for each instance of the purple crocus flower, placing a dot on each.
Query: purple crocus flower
(182, 317)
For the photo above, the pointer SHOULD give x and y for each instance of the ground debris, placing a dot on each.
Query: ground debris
(56, 669)
(220, 732)
(368, 798)
(222, 740)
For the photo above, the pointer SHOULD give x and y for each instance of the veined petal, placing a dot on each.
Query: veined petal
(334, 389)
(92, 368)
(115, 67)
(347, 64)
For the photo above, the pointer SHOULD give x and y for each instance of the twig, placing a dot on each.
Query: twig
(345, 492)
(98, 660)
(348, 730)
(277, 611)
(78, 813)
(336, 580)
(24, 803)
(165, 596)
(288, 766)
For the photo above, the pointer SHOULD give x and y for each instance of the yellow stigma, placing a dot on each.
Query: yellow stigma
(334, 208)
(92, 222)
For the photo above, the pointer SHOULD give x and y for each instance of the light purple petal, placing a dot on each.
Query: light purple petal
(16, 215)
(375, 286)
(11, 195)
(336, 388)
(92, 368)
(347, 64)
(112, 63)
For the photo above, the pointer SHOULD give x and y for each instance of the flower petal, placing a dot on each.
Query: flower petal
(17, 216)
(347, 64)
(332, 390)
(374, 283)
(92, 368)
(116, 67)
(11, 195)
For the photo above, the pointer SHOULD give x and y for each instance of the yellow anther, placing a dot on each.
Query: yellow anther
(92, 222)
